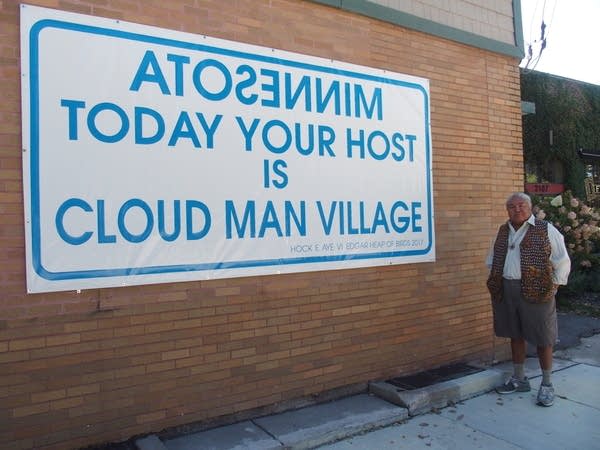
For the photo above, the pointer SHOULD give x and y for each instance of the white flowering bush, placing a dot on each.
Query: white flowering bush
(580, 225)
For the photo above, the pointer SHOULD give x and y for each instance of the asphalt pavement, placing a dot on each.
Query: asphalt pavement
(458, 413)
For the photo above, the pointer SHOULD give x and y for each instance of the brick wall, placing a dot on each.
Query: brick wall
(108, 364)
(492, 18)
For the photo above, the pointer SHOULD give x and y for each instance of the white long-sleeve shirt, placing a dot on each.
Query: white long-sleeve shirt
(559, 258)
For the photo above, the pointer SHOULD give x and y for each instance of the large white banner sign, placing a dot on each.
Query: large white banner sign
(153, 156)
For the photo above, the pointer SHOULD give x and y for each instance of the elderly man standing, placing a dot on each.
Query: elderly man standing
(527, 262)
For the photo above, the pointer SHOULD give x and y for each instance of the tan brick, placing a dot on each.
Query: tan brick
(243, 352)
(151, 417)
(66, 403)
(31, 410)
(63, 339)
(74, 327)
(176, 354)
(25, 344)
(47, 396)
(160, 366)
(83, 390)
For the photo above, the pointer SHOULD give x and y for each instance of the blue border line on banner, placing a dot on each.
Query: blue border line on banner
(97, 273)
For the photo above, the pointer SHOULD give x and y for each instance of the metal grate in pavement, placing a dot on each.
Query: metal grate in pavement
(433, 376)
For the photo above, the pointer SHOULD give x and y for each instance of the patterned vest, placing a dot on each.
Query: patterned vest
(536, 269)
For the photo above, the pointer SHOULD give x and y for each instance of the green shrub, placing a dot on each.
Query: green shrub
(577, 284)
(594, 280)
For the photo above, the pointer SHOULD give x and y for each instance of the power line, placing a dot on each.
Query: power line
(544, 32)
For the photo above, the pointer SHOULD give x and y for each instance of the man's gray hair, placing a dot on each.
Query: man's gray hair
(520, 195)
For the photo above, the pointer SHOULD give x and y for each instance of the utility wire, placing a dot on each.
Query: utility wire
(544, 33)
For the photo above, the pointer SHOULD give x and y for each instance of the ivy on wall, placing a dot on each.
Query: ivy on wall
(567, 117)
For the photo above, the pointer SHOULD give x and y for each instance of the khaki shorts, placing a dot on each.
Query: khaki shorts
(516, 318)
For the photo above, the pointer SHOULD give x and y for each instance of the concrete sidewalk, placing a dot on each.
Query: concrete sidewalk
(476, 418)
(510, 422)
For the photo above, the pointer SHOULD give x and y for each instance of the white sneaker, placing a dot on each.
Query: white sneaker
(545, 395)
